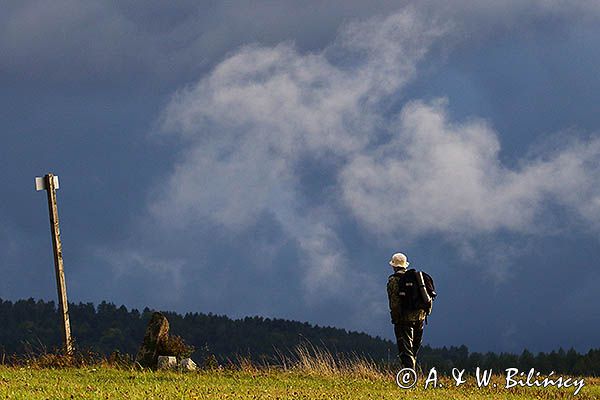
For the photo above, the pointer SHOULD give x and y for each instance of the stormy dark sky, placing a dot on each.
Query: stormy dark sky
(267, 158)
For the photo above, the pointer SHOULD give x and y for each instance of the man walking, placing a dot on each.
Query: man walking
(410, 295)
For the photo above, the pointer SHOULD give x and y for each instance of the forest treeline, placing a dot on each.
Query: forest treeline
(34, 326)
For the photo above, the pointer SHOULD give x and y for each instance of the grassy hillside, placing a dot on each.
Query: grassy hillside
(311, 373)
(248, 383)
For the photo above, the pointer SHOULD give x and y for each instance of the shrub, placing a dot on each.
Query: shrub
(175, 346)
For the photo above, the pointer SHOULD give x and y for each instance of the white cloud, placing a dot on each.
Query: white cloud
(254, 119)
(436, 176)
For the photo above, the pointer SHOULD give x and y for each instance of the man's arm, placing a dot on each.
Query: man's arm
(393, 298)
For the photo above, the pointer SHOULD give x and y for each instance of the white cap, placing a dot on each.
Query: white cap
(399, 261)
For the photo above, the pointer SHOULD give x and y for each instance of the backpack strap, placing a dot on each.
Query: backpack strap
(422, 288)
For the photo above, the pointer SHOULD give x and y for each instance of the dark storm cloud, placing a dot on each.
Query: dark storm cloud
(158, 43)
(116, 44)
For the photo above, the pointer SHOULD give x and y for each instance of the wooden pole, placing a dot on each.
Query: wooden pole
(58, 262)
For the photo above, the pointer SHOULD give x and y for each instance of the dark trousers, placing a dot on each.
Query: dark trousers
(409, 336)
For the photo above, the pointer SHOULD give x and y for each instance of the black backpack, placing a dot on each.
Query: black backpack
(417, 290)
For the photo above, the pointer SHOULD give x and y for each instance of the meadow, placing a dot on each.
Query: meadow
(113, 383)
(308, 376)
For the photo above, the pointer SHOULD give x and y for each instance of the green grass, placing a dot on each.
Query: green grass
(104, 382)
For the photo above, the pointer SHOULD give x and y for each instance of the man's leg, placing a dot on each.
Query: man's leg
(404, 339)
(417, 338)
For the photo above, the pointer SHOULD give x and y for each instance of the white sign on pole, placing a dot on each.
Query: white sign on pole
(40, 183)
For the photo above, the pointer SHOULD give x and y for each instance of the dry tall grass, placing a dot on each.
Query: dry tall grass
(306, 359)
(320, 361)
(43, 358)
